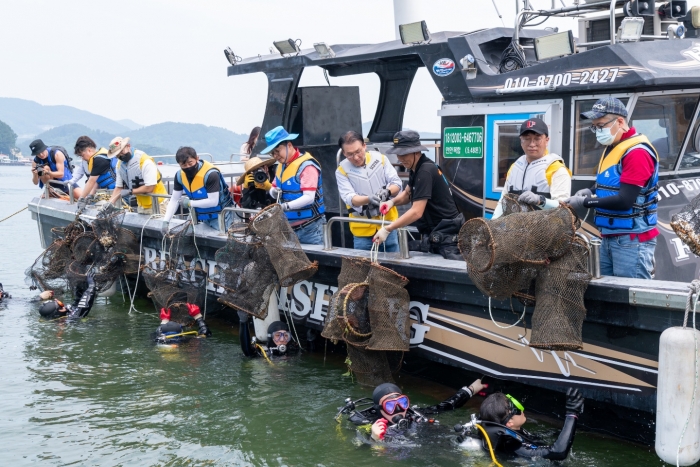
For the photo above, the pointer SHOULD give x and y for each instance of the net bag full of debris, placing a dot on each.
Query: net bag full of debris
(504, 255)
(48, 272)
(352, 271)
(174, 289)
(557, 321)
(372, 367)
(282, 245)
(389, 310)
(245, 274)
(686, 224)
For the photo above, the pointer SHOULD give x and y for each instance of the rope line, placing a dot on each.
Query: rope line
(3, 220)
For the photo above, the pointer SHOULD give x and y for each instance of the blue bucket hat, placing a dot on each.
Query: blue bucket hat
(604, 106)
(275, 136)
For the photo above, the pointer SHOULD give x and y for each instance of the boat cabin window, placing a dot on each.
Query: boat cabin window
(509, 148)
(665, 120)
(587, 150)
(691, 155)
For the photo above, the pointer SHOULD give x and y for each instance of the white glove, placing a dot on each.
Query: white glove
(381, 235)
(476, 387)
(386, 206)
(274, 192)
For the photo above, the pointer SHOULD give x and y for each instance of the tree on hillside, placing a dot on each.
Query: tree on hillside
(8, 138)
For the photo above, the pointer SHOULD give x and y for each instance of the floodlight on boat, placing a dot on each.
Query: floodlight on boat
(231, 57)
(630, 30)
(555, 45)
(323, 50)
(414, 33)
(674, 9)
(639, 8)
(287, 47)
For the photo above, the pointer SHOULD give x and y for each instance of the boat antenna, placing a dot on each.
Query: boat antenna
(498, 12)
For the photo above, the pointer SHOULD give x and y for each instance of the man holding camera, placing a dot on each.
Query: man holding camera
(365, 180)
(255, 183)
(50, 163)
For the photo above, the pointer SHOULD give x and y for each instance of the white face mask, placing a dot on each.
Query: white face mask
(606, 138)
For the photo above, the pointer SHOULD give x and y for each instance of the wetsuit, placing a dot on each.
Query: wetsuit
(80, 308)
(523, 444)
(250, 349)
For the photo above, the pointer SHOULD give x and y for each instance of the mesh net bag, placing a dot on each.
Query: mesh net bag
(245, 274)
(348, 315)
(389, 311)
(173, 289)
(504, 255)
(511, 205)
(686, 224)
(559, 313)
(180, 244)
(372, 367)
(282, 245)
(352, 271)
(48, 272)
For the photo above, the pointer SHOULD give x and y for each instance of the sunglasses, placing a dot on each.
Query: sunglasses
(397, 404)
(515, 408)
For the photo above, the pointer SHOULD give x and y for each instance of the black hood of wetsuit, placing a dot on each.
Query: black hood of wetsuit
(523, 444)
(170, 326)
(274, 327)
(384, 389)
(49, 309)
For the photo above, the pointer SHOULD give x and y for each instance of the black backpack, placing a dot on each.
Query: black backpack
(52, 151)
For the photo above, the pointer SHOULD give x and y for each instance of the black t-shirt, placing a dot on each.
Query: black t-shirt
(427, 183)
(100, 166)
(213, 184)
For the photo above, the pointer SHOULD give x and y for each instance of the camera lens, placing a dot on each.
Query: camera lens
(260, 176)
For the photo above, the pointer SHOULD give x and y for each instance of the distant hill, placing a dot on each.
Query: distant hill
(130, 124)
(163, 138)
(29, 118)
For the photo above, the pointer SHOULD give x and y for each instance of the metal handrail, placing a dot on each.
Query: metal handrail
(222, 215)
(163, 156)
(230, 158)
(328, 244)
(71, 196)
(154, 202)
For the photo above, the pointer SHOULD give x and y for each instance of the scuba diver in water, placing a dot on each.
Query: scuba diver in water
(279, 339)
(3, 294)
(171, 332)
(85, 294)
(390, 414)
(502, 417)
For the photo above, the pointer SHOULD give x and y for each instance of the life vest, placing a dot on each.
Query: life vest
(288, 179)
(197, 190)
(642, 216)
(108, 179)
(366, 181)
(132, 171)
(51, 160)
(535, 176)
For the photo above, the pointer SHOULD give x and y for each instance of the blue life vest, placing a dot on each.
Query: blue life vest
(108, 179)
(51, 160)
(288, 179)
(197, 190)
(642, 216)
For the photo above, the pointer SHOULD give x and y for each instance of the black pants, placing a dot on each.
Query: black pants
(442, 240)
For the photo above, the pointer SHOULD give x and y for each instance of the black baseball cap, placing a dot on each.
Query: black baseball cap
(406, 142)
(535, 125)
(37, 146)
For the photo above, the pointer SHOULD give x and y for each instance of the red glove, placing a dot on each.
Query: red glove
(165, 314)
(379, 429)
(193, 310)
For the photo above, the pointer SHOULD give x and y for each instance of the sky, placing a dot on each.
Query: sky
(162, 60)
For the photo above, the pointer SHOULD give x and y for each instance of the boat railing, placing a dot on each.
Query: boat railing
(71, 196)
(593, 244)
(235, 209)
(200, 154)
(327, 233)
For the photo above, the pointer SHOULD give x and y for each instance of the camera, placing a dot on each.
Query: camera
(40, 170)
(260, 175)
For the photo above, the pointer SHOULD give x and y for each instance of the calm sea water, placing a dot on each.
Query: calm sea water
(98, 392)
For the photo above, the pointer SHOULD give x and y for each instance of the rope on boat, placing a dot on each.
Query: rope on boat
(3, 220)
(691, 304)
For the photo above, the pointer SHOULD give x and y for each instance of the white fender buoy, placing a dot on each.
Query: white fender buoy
(674, 397)
(273, 314)
(110, 291)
